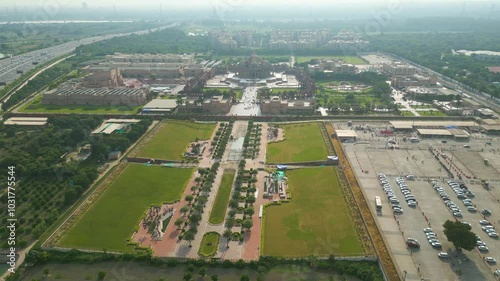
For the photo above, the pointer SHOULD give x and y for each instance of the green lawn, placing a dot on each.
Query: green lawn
(347, 59)
(431, 113)
(316, 221)
(172, 140)
(422, 106)
(209, 244)
(220, 205)
(37, 106)
(303, 142)
(281, 90)
(407, 113)
(114, 216)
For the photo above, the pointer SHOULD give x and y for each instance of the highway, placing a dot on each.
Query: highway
(13, 67)
(476, 95)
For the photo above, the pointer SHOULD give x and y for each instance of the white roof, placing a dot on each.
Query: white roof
(435, 132)
(161, 104)
(26, 121)
(410, 124)
(346, 134)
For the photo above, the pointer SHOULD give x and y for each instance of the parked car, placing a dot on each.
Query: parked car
(443, 255)
(490, 260)
(427, 229)
(485, 212)
(482, 248)
(484, 222)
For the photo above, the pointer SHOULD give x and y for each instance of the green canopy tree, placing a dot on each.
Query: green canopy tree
(460, 235)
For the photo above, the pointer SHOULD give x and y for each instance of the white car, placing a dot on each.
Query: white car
(484, 222)
(487, 227)
(471, 209)
(482, 248)
(492, 234)
(427, 229)
(443, 255)
(436, 245)
(490, 260)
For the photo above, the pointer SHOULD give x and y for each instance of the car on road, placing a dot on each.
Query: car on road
(484, 222)
(436, 245)
(482, 248)
(490, 260)
(471, 209)
(443, 255)
(485, 212)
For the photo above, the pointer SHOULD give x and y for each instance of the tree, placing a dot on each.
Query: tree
(214, 278)
(184, 210)
(189, 198)
(244, 277)
(101, 275)
(460, 235)
(178, 222)
(188, 276)
(247, 224)
(202, 272)
(250, 199)
(46, 272)
(189, 236)
(227, 234)
(249, 211)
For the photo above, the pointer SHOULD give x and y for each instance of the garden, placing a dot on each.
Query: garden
(251, 144)
(220, 205)
(316, 221)
(110, 222)
(171, 141)
(303, 142)
(219, 142)
(209, 244)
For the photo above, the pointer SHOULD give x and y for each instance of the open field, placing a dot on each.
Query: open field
(37, 106)
(316, 221)
(209, 244)
(407, 113)
(347, 59)
(303, 142)
(112, 220)
(172, 140)
(220, 205)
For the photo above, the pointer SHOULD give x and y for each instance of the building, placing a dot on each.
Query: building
(100, 88)
(489, 56)
(275, 105)
(68, 95)
(253, 67)
(346, 135)
(151, 58)
(335, 66)
(103, 79)
(160, 106)
(214, 105)
(485, 113)
(413, 81)
(26, 121)
(398, 69)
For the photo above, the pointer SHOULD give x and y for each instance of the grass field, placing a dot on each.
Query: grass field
(347, 59)
(171, 141)
(220, 205)
(303, 142)
(37, 106)
(428, 113)
(407, 113)
(316, 221)
(209, 244)
(112, 219)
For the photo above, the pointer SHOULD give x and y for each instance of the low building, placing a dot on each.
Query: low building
(485, 113)
(26, 121)
(275, 105)
(214, 105)
(346, 135)
(434, 133)
(413, 81)
(95, 96)
(398, 69)
(160, 106)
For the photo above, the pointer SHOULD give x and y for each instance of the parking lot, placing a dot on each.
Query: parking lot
(370, 156)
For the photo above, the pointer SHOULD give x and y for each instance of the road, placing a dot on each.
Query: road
(248, 105)
(476, 95)
(12, 68)
(7, 97)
